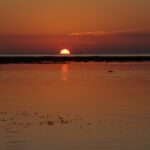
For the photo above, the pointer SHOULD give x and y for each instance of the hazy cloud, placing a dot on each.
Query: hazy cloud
(130, 32)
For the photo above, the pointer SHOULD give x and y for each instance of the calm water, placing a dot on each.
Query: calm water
(76, 106)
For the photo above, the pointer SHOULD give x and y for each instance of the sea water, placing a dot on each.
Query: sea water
(75, 106)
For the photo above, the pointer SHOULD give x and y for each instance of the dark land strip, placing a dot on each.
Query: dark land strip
(63, 59)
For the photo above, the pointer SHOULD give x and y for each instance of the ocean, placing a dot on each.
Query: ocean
(75, 106)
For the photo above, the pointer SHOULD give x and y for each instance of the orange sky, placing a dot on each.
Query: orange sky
(80, 17)
(64, 16)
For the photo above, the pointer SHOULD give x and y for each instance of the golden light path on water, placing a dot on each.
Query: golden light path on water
(65, 69)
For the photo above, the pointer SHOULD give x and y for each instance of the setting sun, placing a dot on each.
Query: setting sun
(65, 52)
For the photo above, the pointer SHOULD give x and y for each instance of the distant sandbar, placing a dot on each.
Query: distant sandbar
(63, 59)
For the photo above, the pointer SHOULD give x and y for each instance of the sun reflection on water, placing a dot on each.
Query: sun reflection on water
(64, 71)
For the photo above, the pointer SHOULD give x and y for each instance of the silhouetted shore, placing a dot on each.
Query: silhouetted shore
(62, 59)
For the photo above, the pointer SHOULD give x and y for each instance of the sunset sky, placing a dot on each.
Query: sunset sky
(83, 26)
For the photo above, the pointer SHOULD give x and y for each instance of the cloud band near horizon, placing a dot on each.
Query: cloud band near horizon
(123, 41)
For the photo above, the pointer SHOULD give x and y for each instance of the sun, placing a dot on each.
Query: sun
(65, 52)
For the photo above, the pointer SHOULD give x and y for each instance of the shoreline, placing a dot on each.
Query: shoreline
(63, 59)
